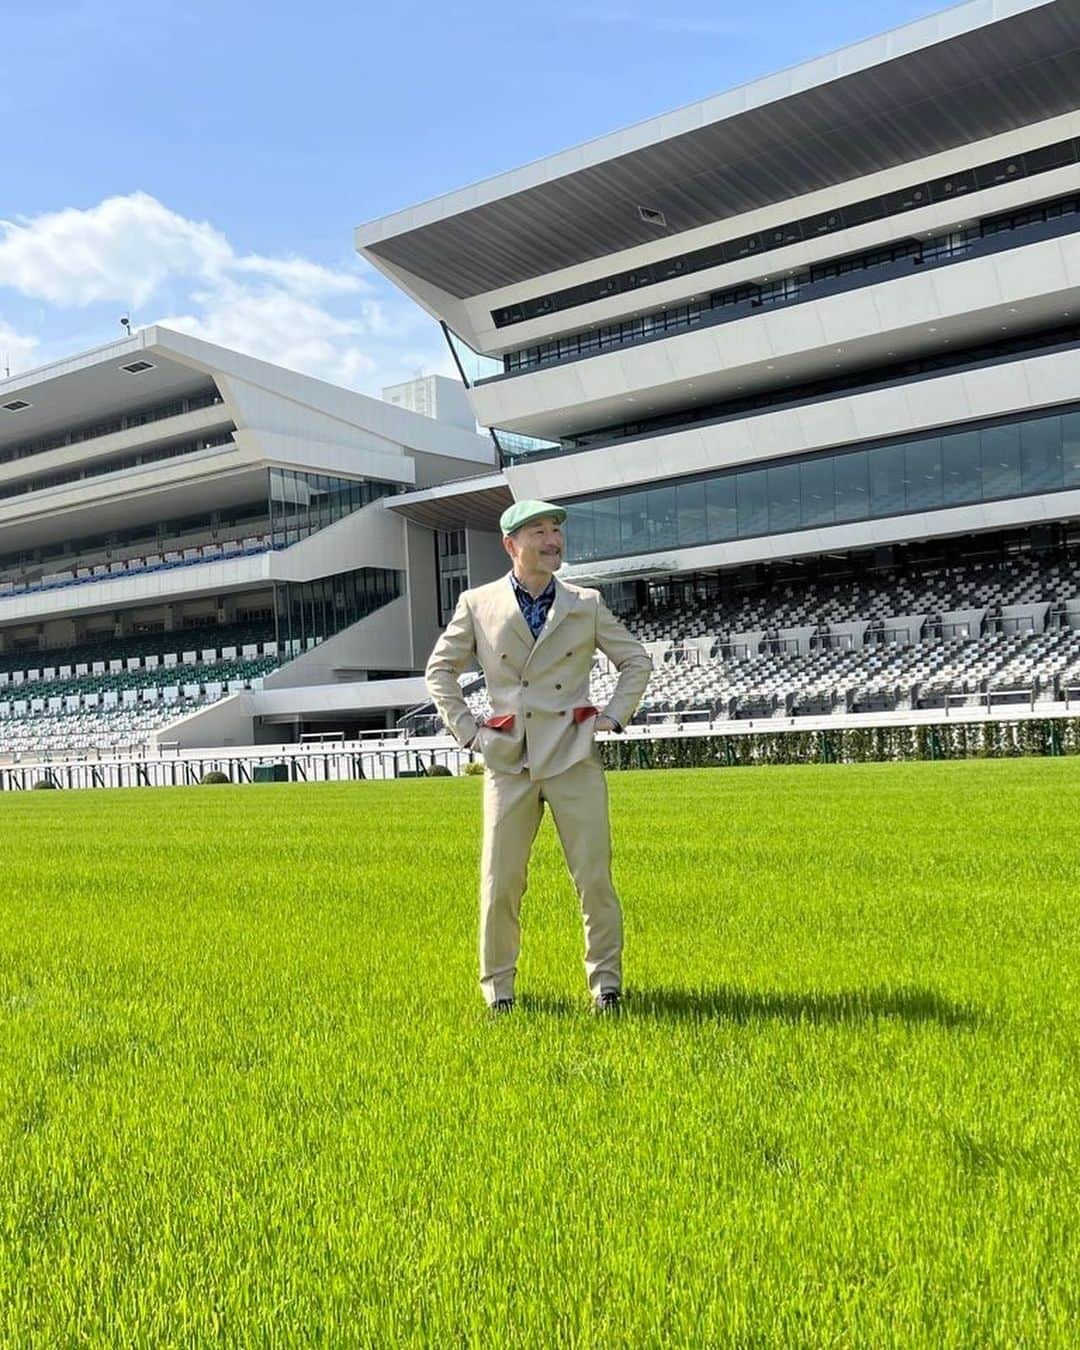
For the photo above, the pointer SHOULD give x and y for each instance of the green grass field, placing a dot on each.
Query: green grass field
(250, 1096)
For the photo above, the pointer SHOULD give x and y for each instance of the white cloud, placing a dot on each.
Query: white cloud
(284, 328)
(16, 351)
(346, 325)
(124, 250)
(365, 349)
(299, 275)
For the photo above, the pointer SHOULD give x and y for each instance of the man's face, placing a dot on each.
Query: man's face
(536, 547)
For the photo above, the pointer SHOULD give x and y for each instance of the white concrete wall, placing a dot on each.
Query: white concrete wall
(423, 584)
(964, 302)
(943, 400)
(80, 500)
(138, 589)
(364, 696)
(370, 537)
(228, 722)
(382, 641)
(487, 557)
(932, 218)
(310, 455)
(147, 437)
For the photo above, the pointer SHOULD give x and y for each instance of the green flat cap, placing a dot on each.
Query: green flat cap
(521, 513)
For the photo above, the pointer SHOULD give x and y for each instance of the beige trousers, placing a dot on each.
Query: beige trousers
(513, 806)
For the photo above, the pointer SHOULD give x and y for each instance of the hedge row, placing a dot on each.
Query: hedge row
(858, 745)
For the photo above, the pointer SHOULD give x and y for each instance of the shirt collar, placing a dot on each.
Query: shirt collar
(546, 593)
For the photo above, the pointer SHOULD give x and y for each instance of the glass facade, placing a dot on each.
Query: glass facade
(906, 371)
(956, 467)
(904, 257)
(105, 427)
(910, 198)
(301, 503)
(472, 365)
(308, 612)
(293, 506)
(95, 468)
(452, 562)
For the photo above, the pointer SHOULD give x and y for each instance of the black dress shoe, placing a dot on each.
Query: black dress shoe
(501, 1006)
(607, 1001)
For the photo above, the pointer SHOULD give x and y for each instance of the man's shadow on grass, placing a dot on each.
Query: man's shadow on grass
(726, 1003)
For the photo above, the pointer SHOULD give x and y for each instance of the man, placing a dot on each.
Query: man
(534, 638)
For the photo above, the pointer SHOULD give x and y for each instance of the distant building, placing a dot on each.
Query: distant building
(194, 547)
(830, 315)
(434, 396)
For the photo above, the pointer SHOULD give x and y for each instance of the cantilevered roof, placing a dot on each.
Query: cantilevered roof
(468, 503)
(968, 73)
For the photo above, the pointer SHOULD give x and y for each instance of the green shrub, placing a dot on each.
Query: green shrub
(852, 745)
(215, 776)
(474, 768)
(45, 783)
(439, 771)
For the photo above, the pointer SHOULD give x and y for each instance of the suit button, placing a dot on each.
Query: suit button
(562, 712)
(529, 714)
(569, 653)
(558, 686)
(502, 656)
(524, 684)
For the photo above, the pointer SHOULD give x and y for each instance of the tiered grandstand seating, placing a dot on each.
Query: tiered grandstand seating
(151, 562)
(114, 692)
(920, 674)
(90, 728)
(1004, 632)
(206, 637)
(976, 586)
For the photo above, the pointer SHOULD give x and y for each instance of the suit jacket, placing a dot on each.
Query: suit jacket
(539, 682)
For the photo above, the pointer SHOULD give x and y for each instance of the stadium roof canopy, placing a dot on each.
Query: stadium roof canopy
(971, 72)
(474, 503)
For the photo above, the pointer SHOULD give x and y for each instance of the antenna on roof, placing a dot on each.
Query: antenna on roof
(125, 323)
(7, 365)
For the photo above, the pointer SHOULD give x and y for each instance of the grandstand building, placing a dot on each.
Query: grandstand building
(194, 549)
(801, 361)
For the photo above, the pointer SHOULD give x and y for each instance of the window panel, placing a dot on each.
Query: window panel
(753, 502)
(634, 522)
(662, 522)
(606, 526)
(817, 490)
(1070, 449)
(579, 531)
(852, 486)
(782, 483)
(887, 494)
(922, 474)
(690, 509)
(1001, 461)
(721, 512)
(961, 464)
(1040, 454)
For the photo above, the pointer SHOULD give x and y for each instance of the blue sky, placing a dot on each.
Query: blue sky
(204, 164)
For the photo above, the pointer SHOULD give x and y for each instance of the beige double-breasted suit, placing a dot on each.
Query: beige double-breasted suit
(547, 755)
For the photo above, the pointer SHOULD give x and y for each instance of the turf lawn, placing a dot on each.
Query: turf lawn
(249, 1094)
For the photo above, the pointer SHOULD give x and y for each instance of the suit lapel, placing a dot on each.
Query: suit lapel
(511, 611)
(561, 606)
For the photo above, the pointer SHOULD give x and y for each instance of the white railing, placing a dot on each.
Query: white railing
(392, 754)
